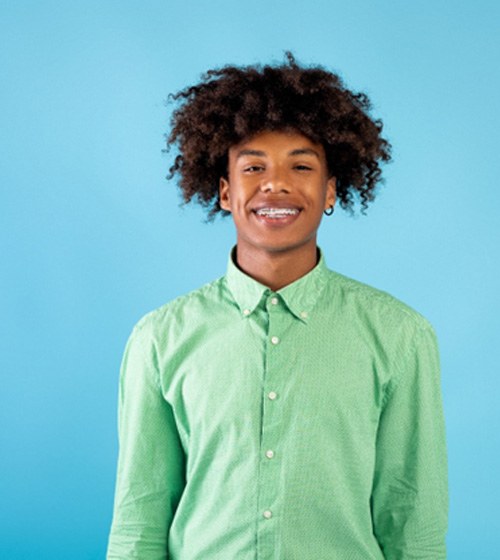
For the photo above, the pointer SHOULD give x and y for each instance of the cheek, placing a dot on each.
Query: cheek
(238, 207)
(240, 197)
(317, 194)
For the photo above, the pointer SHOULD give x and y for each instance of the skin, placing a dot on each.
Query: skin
(276, 170)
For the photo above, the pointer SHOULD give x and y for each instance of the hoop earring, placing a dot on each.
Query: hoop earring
(329, 211)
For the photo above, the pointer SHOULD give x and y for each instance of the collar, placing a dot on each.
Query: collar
(300, 296)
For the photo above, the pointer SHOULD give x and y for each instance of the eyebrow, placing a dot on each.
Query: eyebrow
(297, 152)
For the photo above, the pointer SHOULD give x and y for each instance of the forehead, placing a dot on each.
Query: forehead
(270, 142)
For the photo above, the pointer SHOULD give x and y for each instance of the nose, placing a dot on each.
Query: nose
(274, 182)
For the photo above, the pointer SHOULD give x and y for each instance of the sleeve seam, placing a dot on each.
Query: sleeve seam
(418, 329)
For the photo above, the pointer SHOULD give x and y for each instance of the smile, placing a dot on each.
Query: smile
(276, 217)
(277, 213)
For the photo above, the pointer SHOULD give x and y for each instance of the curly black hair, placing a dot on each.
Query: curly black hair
(235, 103)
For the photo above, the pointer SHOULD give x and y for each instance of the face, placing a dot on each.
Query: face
(277, 189)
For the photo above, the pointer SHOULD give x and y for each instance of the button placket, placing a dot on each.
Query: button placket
(270, 501)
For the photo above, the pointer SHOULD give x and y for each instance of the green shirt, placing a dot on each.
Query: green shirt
(302, 424)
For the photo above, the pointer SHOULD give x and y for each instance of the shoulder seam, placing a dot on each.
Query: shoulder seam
(356, 286)
(171, 305)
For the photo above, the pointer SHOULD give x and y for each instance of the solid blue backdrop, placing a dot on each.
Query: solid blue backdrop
(93, 236)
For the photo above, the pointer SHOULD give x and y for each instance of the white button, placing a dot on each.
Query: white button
(274, 301)
(303, 314)
(272, 395)
(246, 311)
(275, 340)
(268, 514)
(269, 453)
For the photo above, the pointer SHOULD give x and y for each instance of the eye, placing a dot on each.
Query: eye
(302, 167)
(253, 168)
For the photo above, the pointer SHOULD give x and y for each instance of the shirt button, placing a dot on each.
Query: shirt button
(246, 311)
(269, 453)
(274, 301)
(268, 514)
(272, 395)
(303, 314)
(275, 340)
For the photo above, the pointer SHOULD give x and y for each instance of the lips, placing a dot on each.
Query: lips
(274, 212)
(276, 215)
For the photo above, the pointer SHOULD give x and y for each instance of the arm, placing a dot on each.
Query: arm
(150, 475)
(409, 498)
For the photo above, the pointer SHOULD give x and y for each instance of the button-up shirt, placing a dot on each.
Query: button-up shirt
(301, 424)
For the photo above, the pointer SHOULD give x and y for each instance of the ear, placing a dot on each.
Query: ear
(331, 192)
(224, 200)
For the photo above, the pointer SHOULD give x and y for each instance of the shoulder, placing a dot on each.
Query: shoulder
(193, 305)
(393, 331)
(375, 305)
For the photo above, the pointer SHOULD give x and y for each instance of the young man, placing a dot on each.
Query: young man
(283, 411)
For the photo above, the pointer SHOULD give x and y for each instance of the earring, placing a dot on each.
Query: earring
(329, 211)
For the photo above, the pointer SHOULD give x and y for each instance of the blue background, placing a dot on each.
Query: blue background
(93, 237)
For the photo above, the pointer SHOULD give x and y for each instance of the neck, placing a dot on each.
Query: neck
(277, 269)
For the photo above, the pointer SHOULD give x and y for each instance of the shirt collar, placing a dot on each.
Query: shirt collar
(300, 296)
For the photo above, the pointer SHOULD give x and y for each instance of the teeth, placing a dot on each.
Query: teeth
(277, 212)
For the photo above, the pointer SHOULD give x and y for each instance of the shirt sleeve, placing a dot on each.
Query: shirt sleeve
(150, 474)
(410, 491)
